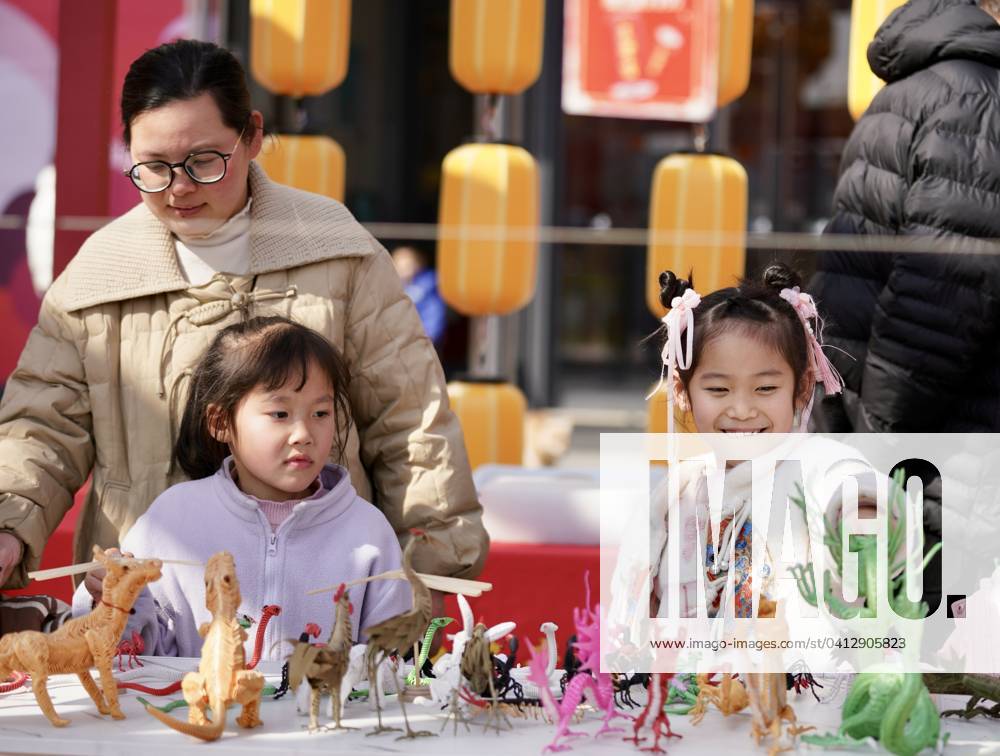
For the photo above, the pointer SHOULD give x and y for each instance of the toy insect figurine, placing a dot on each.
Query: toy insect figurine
(222, 678)
(83, 642)
(130, 649)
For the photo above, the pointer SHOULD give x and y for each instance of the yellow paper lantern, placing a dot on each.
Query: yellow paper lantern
(299, 47)
(313, 163)
(492, 418)
(496, 45)
(862, 85)
(488, 222)
(735, 47)
(699, 205)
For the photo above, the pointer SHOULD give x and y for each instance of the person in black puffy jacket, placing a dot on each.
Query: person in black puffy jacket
(919, 331)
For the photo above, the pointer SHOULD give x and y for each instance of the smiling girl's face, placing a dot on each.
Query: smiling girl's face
(741, 385)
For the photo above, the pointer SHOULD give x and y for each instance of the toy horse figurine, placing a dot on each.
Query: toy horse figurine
(83, 642)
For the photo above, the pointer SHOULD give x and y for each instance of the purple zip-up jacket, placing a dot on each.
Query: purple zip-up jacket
(336, 537)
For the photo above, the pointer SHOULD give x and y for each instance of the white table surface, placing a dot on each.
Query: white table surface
(23, 729)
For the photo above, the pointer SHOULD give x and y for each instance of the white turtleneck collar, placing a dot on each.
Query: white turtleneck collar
(224, 250)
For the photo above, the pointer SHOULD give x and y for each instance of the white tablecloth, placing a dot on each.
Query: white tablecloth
(23, 729)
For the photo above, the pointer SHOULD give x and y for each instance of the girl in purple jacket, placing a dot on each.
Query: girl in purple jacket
(267, 407)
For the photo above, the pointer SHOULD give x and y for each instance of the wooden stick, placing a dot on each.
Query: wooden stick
(434, 582)
(76, 569)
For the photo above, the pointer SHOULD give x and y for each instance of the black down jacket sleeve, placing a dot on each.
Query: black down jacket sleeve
(924, 161)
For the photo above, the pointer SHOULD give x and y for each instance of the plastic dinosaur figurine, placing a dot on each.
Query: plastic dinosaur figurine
(222, 678)
(587, 682)
(398, 634)
(978, 686)
(867, 548)
(323, 667)
(655, 705)
(83, 642)
(413, 676)
(131, 648)
(729, 696)
(892, 707)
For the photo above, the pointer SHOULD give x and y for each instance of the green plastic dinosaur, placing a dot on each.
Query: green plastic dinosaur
(892, 707)
(866, 547)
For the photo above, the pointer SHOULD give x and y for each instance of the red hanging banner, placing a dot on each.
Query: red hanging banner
(654, 59)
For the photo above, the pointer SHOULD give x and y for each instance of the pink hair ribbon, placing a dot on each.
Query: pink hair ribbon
(822, 369)
(679, 320)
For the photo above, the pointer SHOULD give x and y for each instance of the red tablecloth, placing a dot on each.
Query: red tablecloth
(534, 583)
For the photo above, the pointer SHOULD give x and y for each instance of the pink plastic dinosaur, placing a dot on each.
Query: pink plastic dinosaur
(587, 683)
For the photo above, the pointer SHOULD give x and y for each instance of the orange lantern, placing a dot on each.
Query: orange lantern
(491, 414)
(488, 221)
(313, 163)
(699, 206)
(299, 47)
(496, 45)
(862, 85)
(735, 46)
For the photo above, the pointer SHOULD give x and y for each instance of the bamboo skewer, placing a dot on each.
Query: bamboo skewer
(76, 569)
(434, 582)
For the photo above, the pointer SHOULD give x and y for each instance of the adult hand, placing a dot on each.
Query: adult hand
(11, 551)
(95, 578)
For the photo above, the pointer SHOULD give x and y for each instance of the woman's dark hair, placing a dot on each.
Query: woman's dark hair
(754, 307)
(183, 70)
(265, 352)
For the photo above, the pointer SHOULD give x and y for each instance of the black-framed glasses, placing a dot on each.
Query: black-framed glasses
(202, 167)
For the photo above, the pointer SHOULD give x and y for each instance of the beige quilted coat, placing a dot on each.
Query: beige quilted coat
(101, 383)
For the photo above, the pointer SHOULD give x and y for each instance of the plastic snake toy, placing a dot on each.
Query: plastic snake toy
(892, 707)
(425, 646)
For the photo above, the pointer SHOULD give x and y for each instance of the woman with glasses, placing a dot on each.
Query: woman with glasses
(101, 382)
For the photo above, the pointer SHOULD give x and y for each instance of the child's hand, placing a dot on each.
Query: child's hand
(95, 577)
(10, 555)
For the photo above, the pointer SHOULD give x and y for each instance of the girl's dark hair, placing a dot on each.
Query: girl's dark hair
(183, 70)
(754, 307)
(265, 352)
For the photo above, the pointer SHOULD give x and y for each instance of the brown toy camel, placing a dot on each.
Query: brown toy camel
(398, 634)
(83, 642)
(323, 667)
(222, 678)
